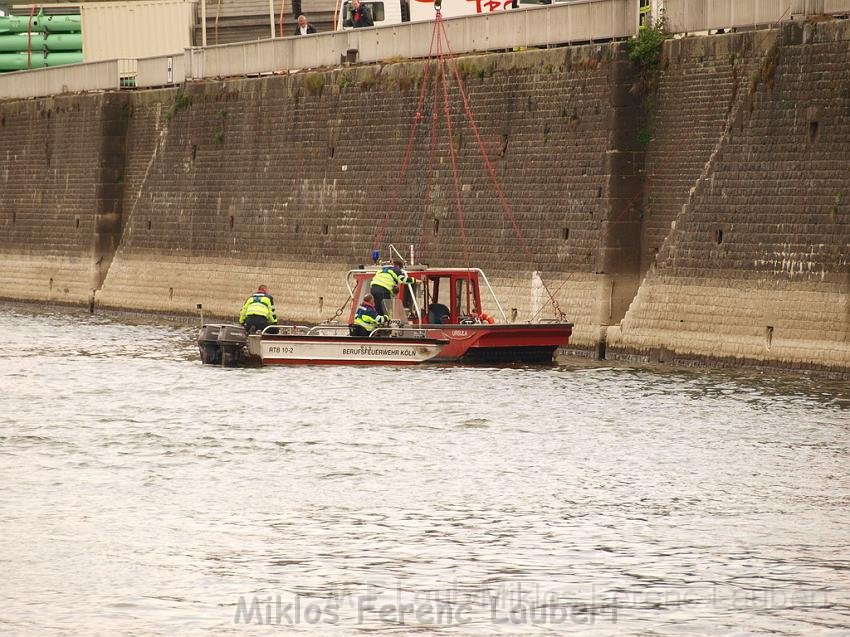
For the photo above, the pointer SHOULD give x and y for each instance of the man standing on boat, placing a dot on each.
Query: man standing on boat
(367, 318)
(386, 282)
(258, 311)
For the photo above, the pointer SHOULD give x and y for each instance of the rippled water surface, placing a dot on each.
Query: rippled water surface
(143, 493)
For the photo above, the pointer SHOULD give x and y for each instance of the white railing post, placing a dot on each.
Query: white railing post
(203, 22)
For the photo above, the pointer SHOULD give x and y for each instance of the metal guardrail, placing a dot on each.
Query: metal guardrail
(162, 70)
(689, 16)
(586, 21)
(684, 16)
(834, 7)
(580, 21)
(73, 78)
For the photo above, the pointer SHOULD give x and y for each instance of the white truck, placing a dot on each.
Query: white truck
(385, 12)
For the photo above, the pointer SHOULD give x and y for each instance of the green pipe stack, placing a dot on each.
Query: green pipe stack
(39, 41)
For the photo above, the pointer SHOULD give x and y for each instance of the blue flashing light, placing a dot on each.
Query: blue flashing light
(376, 255)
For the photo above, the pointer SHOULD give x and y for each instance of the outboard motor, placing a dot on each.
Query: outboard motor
(208, 344)
(233, 342)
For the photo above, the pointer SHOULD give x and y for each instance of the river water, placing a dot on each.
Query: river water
(144, 493)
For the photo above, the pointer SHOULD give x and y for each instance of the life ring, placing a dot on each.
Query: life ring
(486, 318)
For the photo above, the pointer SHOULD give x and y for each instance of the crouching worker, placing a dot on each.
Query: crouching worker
(258, 311)
(367, 318)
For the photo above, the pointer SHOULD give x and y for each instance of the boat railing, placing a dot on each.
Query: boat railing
(342, 330)
(328, 330)
(492, 293)
(398, 332)
(307, 330)
(285, 330)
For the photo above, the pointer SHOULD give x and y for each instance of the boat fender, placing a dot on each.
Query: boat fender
(486, 318)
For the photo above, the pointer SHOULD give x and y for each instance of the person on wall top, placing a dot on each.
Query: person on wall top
(303, 27)
(361, 16)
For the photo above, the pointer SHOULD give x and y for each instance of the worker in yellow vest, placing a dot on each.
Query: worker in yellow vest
(386, 282)
(258, 311)
(367, 318)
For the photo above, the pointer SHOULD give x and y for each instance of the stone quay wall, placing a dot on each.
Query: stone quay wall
(746, 247)
(705, 219)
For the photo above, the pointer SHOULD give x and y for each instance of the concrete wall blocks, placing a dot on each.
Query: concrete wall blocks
(708, 220)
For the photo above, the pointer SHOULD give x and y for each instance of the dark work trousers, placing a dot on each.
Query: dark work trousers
(357, 330)
(255, 323)
(381, 294)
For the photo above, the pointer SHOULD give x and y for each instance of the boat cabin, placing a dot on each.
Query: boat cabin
(440, 296)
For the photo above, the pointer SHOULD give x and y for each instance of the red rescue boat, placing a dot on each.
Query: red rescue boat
(437, 318)
(446, 304)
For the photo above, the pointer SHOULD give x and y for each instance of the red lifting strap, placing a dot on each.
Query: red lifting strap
(439, 85)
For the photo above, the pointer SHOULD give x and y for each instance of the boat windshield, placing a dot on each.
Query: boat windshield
(465, 301)
(448, 299)
(437, 306)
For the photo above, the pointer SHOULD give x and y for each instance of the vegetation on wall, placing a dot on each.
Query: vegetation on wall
(767, 71)
(645, 48)
(314, 83)
(181, 101)
(645, 51)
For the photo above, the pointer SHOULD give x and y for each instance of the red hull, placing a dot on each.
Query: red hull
(520, 342)
(512, 343)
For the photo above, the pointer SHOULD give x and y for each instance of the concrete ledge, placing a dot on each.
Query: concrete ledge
(789, 327)
(40, 277)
